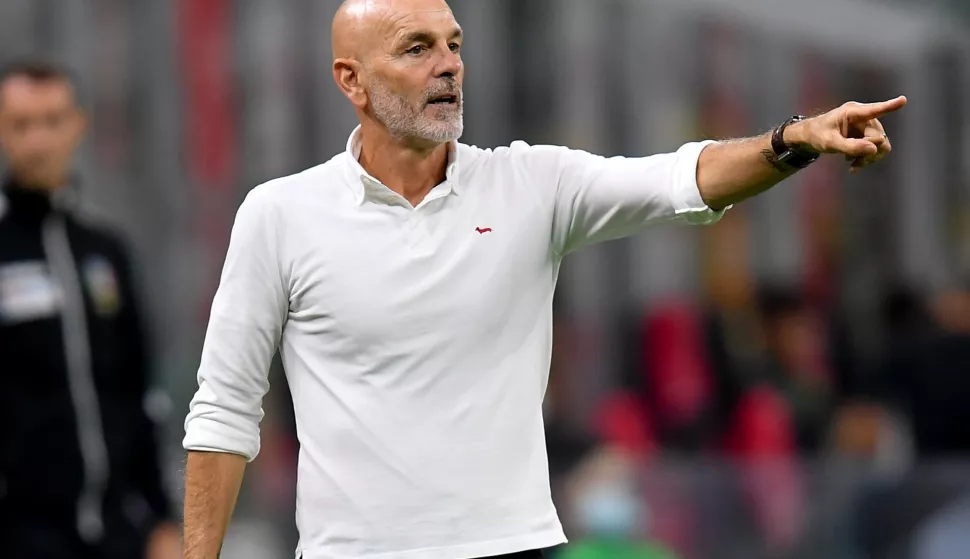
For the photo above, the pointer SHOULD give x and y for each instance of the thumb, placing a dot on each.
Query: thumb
(853, 147)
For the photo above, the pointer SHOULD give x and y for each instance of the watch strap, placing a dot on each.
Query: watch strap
(796, 158)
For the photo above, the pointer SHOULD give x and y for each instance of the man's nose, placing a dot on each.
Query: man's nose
(449, 65)
(39, 141)
(35, 141)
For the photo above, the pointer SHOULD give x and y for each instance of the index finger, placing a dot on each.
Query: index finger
(875, 110)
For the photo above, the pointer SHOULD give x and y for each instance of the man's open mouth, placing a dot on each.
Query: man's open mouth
(446, 99)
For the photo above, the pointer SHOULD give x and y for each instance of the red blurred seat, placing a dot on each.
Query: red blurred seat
(761, 427)
(677, 372)
(622, 422)
(762, 438)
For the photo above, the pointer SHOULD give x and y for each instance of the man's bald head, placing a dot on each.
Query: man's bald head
(399, 63)
(360, 25)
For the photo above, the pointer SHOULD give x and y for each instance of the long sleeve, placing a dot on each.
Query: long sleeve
(245, 325)
(598, 199)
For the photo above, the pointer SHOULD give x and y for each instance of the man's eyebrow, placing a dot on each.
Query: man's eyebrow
(425, 37)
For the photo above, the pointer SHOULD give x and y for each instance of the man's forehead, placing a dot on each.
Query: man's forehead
(27, 88)
(396, 25)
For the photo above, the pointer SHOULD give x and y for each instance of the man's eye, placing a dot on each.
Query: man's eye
(455, 47)
(416, 49)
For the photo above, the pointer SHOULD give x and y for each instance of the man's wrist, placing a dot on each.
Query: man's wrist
(796, 136)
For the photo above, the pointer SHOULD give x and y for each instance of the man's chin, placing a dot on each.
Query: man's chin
(442, 134)
(42, 181)
(445, 137)
(430, 131)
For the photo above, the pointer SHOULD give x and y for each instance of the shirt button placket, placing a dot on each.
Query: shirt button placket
(421, 236)
(412, 231)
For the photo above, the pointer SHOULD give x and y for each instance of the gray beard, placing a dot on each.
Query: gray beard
(405, 121)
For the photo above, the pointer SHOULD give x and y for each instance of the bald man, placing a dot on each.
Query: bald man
(408, 286)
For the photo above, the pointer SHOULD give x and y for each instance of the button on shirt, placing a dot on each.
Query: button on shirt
(417, 340)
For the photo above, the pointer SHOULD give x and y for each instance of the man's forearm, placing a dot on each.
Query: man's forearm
(212, 482)
(729, 172)
(732, 171)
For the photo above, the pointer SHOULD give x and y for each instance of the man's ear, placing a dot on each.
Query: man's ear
(346, 72)
(78, 126)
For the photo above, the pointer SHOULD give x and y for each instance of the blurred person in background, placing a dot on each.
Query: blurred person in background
(796, 364)
(79, 465)
(923, 384)
(408, 284)
(612, 518)
(775, 394)
(928, 380)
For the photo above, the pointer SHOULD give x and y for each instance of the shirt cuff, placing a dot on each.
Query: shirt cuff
(205, 435)
(686, 197)
(212, 428)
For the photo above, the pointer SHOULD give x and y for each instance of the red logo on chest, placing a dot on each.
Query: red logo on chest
(483, 230)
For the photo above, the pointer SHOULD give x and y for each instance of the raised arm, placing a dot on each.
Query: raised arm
(732, 171)
(594, 198)
(591, 198)
(222, 427)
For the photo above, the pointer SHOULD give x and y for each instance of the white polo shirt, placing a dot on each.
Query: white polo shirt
(417, 340)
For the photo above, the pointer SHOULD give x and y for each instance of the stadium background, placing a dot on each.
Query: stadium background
(733, 373)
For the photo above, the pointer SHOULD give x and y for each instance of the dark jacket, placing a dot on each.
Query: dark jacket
(79, 472)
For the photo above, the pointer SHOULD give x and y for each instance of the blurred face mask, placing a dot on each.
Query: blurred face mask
(610, 511)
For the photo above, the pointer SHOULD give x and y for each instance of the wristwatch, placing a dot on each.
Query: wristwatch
(798, 158)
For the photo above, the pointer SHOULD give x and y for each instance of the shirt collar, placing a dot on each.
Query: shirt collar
(363, 184)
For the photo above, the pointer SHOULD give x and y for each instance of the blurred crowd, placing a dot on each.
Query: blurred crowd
(769, 389)
(792, 382)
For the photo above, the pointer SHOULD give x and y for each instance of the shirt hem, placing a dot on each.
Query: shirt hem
(516, 544)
